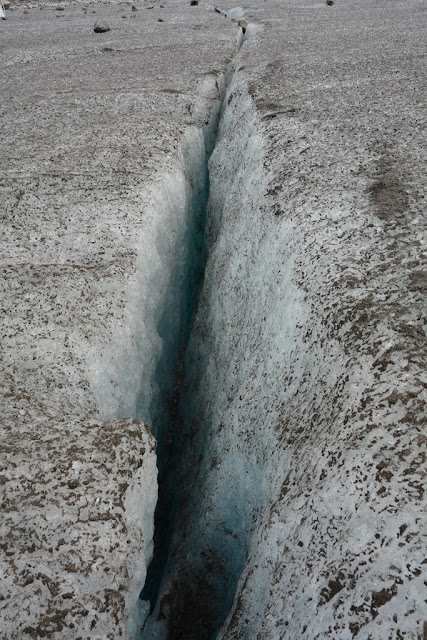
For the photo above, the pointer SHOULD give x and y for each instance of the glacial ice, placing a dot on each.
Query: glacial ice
(104, 171)
(287, 518)
(283, 385)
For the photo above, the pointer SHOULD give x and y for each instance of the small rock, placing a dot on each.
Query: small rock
(194, 3)
(329, 2)
(150, 6)
(160, 20)
(6, 5)
(101, 27)
(60, 8)
(124, 17)
(25, 11)
(134, 8)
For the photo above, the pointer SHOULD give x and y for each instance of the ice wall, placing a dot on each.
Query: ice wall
(314, 392)
(300, 440)
(136, 374)
(102, 198)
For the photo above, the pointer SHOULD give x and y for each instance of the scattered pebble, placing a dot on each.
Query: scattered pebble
(134, 8)
(101, 27)
(59, 8)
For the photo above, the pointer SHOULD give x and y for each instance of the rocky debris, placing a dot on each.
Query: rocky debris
(101, 27)
(243, 24)
(194, 3)
(59, 9)
(134, 8)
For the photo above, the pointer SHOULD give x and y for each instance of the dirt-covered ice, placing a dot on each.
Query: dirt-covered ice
(102, 149)
(299, 444)
(302, 411)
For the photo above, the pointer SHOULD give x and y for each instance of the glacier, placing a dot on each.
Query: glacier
(214, 245)
(294, 435)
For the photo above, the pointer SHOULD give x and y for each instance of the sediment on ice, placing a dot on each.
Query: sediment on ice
(103, 166)
(299, 417)
(286, 398)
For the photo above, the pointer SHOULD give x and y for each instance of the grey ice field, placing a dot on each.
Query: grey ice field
(213, 300)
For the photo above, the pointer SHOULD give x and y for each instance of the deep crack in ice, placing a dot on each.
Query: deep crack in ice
(190, 617)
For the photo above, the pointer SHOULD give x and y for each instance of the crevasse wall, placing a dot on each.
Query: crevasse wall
(297, 436)
(322, 391)
(137, 374)
(242, 334)
(214, 519)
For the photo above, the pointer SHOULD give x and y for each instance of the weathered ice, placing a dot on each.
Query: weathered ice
(214, 280)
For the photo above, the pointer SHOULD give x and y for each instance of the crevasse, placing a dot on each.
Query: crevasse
(197, 604)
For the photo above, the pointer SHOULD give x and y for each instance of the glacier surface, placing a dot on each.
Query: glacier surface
(300, 420)
(263, 319)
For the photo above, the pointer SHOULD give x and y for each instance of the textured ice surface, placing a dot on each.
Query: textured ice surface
(304, 396)
(77, 525)
(300, 417)
(101, 163)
